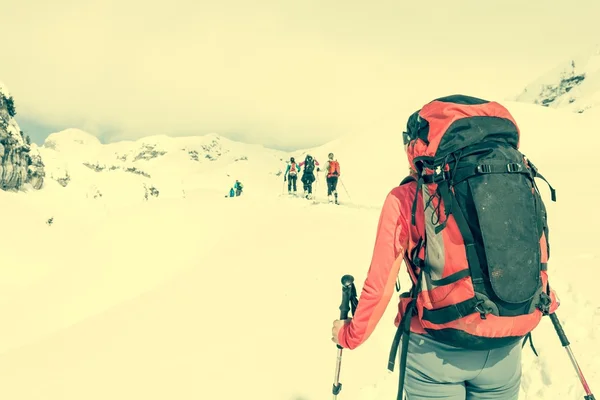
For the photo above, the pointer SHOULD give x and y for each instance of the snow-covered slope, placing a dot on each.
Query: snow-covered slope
(202, 297)
(573, 85)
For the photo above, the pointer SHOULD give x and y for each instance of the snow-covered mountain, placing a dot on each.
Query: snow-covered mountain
(153, 166)
(573, 85)
(180, 295)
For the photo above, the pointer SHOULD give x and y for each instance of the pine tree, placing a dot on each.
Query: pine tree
(10, 106)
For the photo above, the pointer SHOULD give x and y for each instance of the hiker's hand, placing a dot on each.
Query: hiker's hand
(337, 325)
(284, 178)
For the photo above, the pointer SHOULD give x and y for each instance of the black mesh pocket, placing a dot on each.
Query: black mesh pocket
(507, 213)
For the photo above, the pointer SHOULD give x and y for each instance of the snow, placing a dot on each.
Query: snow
(4, 90)
(69, 139)
(191, 295)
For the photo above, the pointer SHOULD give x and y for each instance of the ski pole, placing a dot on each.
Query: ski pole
(348, 299)
(344, 186)
(565, 343)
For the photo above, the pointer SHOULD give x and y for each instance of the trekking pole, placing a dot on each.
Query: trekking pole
(348, 299)
(344, 186)
(565, 343)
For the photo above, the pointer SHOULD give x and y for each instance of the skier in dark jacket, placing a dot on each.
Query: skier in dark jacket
(308, 175)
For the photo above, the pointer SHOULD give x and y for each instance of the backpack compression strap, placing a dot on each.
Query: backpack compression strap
(404, 329)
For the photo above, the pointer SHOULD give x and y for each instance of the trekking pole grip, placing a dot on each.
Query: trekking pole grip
(347, 292)
(559, 330)
(347, 282)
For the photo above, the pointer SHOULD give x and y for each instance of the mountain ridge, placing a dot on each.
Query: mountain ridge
(573, 84)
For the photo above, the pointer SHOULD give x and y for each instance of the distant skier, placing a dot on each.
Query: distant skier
(238, 187)
(291, 175)
(333, 173)
(308, 175)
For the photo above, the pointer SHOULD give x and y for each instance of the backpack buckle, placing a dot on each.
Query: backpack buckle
(533, 167)
(439, 178)
(439, 175)
(479, 308)
(484, 169)
(514, 167)
(406, 138)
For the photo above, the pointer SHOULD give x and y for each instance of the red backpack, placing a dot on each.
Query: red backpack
(334, 168)
(479, 268)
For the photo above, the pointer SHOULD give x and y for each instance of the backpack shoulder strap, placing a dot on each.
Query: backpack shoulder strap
(408, 179)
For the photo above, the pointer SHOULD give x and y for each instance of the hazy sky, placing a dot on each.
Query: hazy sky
(282, 73)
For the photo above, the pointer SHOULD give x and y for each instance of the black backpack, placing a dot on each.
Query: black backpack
(309, 165)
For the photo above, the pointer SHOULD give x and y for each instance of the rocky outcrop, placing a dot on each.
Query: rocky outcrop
(148, 152)
(35, 169)
(20, 162)
(572, 85)
(551, 92)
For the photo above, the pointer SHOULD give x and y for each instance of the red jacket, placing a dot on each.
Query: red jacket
(390, 245)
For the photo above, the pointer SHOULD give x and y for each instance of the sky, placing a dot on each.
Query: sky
(285, 74)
